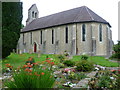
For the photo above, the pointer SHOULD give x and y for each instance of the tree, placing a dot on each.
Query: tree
(116, 48)
(11, 25)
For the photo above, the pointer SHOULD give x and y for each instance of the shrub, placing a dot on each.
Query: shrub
(61, 58)
(28, 78)
(84, 57)
(61, 65)
(116, 55)
(69, 63)
(80, 76)
(85, 65)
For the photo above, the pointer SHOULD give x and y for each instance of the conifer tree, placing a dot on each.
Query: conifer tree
(11, 25)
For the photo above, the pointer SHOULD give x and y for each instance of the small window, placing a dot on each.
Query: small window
(31, 37)
(33, 14)
(83, 32)
(41, 37)
(23, 38)
(66, 35)
(100, 33)
(36, 15)
(52, 36)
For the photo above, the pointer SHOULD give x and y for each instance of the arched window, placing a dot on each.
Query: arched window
(23, 38)
(83, 32)
(41, 37)
(100, 32)
(36, 15)
(66, 35)
(52, 36)
(33, 14)
(31, 37)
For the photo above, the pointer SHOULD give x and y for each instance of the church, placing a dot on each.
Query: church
(76, 31)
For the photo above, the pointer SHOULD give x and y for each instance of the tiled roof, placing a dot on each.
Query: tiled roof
(81, 14)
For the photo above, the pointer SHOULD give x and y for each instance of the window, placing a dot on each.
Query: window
(33, 14)
(52, 36)
(66, 35)
(41, 37)
(36, 15)
(31, 37)
(100, 32)
(23, 38)
(83, 32)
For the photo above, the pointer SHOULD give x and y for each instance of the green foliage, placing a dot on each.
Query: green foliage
(84, 57)
(69, 63)
(85, 65)
(38, 78)
(116, 48)
(61, 65)
(80, 75)
(11, 25)
(61, 58)
(105, 79)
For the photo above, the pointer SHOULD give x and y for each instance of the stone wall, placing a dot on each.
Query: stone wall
(75, 44)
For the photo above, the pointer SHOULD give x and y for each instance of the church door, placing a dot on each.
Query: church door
(35, 47)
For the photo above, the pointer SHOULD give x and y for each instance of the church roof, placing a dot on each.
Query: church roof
(76, 15)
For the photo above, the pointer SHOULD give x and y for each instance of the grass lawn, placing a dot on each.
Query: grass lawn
(19, 59)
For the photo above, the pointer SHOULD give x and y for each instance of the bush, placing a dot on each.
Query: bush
(28, 78)
(61, 58)
(85, 65)
(84, 57)
(61, 65)
(116, 55)
(69, 63)
(80, 76)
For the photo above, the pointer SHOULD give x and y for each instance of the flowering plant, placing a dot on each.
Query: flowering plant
(31, 78)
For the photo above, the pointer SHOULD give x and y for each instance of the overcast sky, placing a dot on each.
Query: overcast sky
(107, 9)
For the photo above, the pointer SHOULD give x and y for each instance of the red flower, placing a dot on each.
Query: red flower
(42, 73)
(28, 70)
(7, 64)
(30, 66)
(36, 74)
(35, 63)
(52, 63)
(48, 61)
(24, 66)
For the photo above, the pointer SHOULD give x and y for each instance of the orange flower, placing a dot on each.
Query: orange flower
(43, 62)
(28, 70)
(30, 59)
(7, 64)
(30, 73)
(24, 66)
(36, 74)
(48, 61)
(35, 63)
(30, 66)
(42, 73)
(52, 63)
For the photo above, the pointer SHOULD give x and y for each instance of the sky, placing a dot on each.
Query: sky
(107, 9)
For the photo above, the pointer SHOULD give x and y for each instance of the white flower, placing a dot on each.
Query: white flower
(96, 68)
(111, 77)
